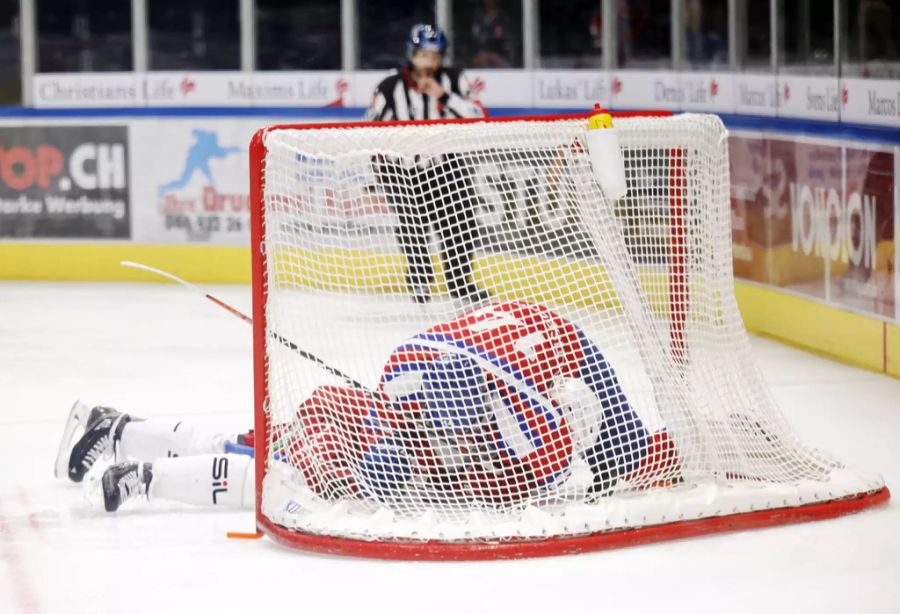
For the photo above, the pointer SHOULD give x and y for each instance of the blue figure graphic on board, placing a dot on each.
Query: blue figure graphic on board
(205, 148)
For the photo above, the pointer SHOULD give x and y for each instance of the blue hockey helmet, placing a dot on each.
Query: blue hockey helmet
(428, 37)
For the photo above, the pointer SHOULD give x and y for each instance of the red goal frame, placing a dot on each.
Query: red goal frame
(520, 548)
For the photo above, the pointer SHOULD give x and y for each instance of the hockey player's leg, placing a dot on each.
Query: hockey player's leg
(163, 437)
(614, 442)
(660, 466)
(103, 432)
(458, 229)
(613, 437)
(218, 480)
(412, 231)
(412, 234)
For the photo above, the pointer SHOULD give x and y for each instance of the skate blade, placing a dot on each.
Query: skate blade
(92, 489)
(76, 423)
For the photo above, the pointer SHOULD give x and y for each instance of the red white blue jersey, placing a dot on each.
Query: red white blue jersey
(490, 372)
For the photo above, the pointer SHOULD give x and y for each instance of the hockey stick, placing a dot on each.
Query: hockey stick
(235, 312)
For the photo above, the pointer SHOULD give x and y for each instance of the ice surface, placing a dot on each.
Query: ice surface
(159, 350)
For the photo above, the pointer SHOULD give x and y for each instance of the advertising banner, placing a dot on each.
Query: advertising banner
(364, 84)
(193, 89)
(816, 217)
(707, 91)
(638, 89)
(871, 101)
(755, 94)
(164, 89)
(808, 97)
(570, 89)
(81, 89)
(864, 255)
(67, 182)
(245, 89)
(750, 207)
(191, 181)
(501, 88)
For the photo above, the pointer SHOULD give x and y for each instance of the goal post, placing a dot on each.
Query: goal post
(545, 370)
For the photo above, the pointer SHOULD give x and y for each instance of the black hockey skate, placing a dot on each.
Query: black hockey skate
(101, 436)
(125, 481)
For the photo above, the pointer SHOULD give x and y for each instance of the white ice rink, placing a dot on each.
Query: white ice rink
(159, 350)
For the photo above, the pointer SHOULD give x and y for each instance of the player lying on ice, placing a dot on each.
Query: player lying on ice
(495, 406)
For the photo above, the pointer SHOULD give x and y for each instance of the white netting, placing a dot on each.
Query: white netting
(537, 359)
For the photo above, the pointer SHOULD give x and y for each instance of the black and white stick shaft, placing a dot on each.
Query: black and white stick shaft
(237, 313)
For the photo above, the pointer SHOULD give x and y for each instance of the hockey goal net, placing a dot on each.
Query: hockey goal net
(464, 349)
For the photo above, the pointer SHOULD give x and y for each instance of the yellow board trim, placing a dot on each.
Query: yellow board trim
(892, 349)
(849, 337)
(846, 336)
(508, 276)
(100, 262)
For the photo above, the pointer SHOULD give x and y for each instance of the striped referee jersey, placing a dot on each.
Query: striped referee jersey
(398, 98)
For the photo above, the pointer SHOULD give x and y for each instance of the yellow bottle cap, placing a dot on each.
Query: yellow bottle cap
(600, 120)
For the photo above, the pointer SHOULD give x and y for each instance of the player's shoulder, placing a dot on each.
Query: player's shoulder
(500, 321)
(526, 309)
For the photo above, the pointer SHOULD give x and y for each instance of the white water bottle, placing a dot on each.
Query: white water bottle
(606, 156)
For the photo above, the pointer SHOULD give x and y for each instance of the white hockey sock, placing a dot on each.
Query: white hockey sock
(148, 440)
(225, 480)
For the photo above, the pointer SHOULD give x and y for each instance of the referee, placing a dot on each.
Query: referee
(437, 193)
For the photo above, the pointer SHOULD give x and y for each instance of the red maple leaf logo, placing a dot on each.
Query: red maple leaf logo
(187, 86)
(787, 91)
(477, 86)
(845, 95)
(713, 88)
(616, 85)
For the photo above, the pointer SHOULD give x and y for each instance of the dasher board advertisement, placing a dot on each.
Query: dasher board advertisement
(65, 182)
